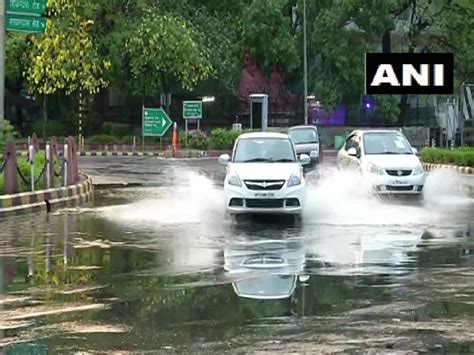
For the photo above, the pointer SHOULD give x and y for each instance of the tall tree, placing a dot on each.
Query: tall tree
(267, 31)
(64, 58)
(161, 47)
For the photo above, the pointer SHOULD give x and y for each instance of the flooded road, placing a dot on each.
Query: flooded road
(159, 269)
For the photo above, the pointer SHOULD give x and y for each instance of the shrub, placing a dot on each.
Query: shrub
(116, 129)
(460, 156)
(129, 140)
(198, 140)
(6, 133)
(53, 128)
(102, 139)
(223, 139)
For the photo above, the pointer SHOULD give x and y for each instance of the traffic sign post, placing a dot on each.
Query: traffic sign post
(26, 15)
(23, 23)
(155, 123)
(192, 110)
(35, 7)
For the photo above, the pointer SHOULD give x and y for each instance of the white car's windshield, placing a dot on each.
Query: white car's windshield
(386, 143)
(250, 150)
(303, 136)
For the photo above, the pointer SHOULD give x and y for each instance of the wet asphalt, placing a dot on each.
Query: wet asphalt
(154, 266)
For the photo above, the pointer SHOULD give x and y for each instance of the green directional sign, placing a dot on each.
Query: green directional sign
(155, 122)
(23, 23)
(37, 7)
(192, 110)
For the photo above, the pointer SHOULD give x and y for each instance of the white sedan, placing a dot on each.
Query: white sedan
(264, 175)
(385, 159)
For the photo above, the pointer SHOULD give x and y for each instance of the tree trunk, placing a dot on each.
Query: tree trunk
(45, 114)
(387, 42)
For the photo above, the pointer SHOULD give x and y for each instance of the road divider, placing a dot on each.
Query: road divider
(48, 200)
(460, 169)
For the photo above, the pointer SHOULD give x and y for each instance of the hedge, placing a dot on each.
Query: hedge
(460, 156)
(218, 139)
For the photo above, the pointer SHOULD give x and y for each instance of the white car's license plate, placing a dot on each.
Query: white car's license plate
(264, 195)
(399, 182)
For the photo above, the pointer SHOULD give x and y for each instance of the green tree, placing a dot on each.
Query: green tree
(162, 48)
(267, 31)
(341, 34)
(65, 57)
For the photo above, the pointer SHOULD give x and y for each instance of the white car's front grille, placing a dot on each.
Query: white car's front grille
(265, 185)
(399, 172)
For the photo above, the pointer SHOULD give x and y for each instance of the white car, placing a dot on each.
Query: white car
(386, 159)
(264, 175)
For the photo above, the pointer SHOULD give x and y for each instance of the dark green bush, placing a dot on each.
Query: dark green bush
(198, 140)
(116, 129)
(222, 139)
(6, 133)
(53, 128)
(102, 139)
(460, 156)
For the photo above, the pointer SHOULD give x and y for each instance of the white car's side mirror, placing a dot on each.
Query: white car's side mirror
(352, 152)
(305, 159)
(224, 159)
(414, 150)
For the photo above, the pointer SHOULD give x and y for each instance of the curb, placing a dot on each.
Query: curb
(460, 169)
(47, 200)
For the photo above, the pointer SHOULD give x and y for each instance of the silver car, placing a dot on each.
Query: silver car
(307, 140)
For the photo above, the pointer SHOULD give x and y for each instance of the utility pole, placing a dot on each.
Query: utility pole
(3, 38)
(305, 66)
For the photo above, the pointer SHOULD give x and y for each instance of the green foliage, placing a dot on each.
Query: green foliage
(6, 133)
(387, 107)
(116, 129)
(457, 36)
(102, 139)
(162, 47)
(65, 57)
(460, 156)
(53, 128)
(222, 139)
(198, 140)
(266, 30)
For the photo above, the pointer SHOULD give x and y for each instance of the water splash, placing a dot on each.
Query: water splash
(342, 198)
(446, 189)
(191, 198)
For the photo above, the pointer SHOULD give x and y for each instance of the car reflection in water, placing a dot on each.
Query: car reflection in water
(265, 271)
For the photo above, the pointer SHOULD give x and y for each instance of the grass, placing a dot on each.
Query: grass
(459, 156)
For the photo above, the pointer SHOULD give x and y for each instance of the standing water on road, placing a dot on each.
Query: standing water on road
(159, 269)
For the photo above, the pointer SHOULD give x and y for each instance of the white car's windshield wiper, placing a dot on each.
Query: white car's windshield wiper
(381, 153)
(283, 161)
(256, 160)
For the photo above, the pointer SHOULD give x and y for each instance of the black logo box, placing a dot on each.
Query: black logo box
(396, 60)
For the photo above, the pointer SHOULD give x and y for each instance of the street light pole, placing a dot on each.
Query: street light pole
(305, 66)
(3, 38)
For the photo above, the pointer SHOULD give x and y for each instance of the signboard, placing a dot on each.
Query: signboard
(26, 15)
(37, 7)
(155, 122)
(192, 110)
(22, 23)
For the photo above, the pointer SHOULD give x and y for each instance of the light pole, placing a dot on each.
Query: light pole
(305, 66)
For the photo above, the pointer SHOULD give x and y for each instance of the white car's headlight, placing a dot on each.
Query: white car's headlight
(374, 169)
(294, 180)
(234, 179)
(314, 153)
(418, 170)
